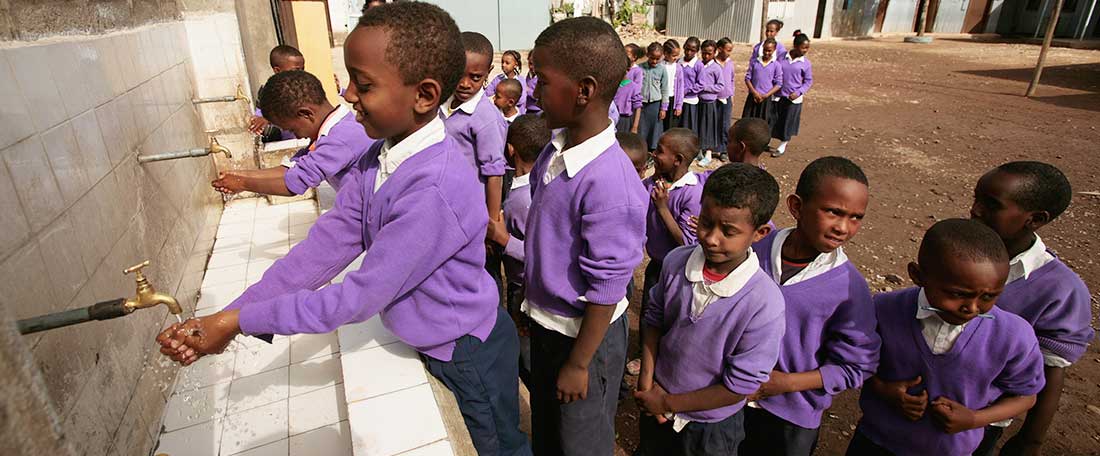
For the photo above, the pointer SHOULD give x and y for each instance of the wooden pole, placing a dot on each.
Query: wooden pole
(1046, 46)
(764, 19)
(923, 17)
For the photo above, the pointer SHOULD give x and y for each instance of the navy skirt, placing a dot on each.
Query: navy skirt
(787, 117)
(689, 117)
(650, 128)
(709, 124)
(764, 110)
(671, 120)
(624, 124)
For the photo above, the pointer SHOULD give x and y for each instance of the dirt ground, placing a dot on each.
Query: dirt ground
(924, 122)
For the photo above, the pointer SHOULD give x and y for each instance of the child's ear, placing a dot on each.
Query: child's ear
(1037, 219)
(509, 150)
(586, 90)
(794, 206)
(428, 96)
(761, 232)
(915, 274)
(307, 113)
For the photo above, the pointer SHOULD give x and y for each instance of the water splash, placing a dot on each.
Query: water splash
(179, 319)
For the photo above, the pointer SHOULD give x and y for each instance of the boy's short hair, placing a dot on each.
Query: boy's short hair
(1044, 187)
(585, 46)
(684, 142)
(631, 143)
(744, 186)
(477, 43)
(528, 135)
(961, 238)
(280, 53)
(431, 32)
(511, 88)
(754, 132)
(818, 170)
(286, 91)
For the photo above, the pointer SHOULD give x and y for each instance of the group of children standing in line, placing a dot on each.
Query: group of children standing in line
(748, 331)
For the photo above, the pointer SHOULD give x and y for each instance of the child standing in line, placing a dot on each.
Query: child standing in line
(711, 83)
(532, 102)
(725, 96)
(690, 65)
(505, 97)
(511, 68)
(634, 53)
(771, 31)
(798, 77)
(635, 149)
(830, 344)
(626, 108)
(675, 93)
(295, 101)
(714, 323)
(416, 184)
(584, 239)
(763, 79)
(655, 83)
(951, 362)
(1017, 199)
(527, 135)
(748, 140)
(281, 58)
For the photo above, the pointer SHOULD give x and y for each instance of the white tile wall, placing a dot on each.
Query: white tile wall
(14, 113)
(383, 425)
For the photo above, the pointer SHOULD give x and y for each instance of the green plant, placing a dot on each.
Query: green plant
(565, 8)
(625, 14)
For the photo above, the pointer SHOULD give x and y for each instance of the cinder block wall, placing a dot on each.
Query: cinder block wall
(87, 86)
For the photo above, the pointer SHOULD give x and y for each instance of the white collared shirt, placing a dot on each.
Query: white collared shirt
(670, 69)
(689, 178)
(940, 335)
(511, 118)
(468, 106)
(760, 58)
(800, 58)
(333, 118)
(690, 63)
(824, 262)
(520, 181)
(393, 155)
(572, 163)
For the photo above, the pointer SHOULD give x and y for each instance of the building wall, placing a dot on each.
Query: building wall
(713, 19)
(88, 87)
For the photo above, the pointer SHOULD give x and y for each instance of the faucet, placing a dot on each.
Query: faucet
(213, 148)
(240, 95)
(146, 295)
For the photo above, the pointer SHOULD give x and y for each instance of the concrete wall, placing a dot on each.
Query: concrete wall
(103, 82)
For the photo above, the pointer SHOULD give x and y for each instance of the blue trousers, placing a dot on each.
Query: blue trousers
(696, 439)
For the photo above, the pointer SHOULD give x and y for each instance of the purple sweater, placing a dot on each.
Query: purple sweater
(480, 136)
(429, 294)
(683, 202)
(584, 233)
(1055, 301)
(635, 73)
(764, 78)
(627, 98)
(831, 328)
(727, 79)
(798, 76)
(521, 104)
(532, 102)
(516, 207)
(691, 78)
(332, 157)
(991, 358)
(733, 343)
(711, 82)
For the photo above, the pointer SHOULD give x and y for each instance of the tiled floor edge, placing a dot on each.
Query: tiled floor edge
(457, 434)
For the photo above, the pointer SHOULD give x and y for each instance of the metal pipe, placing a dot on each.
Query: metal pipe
(173, 155)
(229, 98)
(101, 311)
(1088, 18)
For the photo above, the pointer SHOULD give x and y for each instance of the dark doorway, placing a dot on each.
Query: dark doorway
(819, 23)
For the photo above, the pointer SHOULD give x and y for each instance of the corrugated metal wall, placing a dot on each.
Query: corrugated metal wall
(950, 15)
(509, 24)
(714, 19)
(899, 16)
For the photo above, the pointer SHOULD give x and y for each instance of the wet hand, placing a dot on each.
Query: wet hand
(653, 401)
(228, 183)
(257, 125)
(952, 416)
(572, 383)
(185, 343)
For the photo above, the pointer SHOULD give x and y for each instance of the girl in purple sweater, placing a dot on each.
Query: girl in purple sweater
(798, 77)
(830, 344)
(711, 83)
(951, 362)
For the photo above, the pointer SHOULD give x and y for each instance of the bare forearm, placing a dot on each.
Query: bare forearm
(637, 119)
(271, 181)
(711, 397)
(752, 90)
(670, 224)
(596, 320)
(492, 195)
(651, 339)
(805, 381)
(1003, 409)
(1046, 405)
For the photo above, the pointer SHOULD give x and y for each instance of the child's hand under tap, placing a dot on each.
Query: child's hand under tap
(257, 125)
(228, 183)
(653, 401)
(952, 416)
(897, 394)
(186, 342)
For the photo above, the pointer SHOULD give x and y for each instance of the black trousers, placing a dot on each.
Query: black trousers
(695, 439)
(767, 434)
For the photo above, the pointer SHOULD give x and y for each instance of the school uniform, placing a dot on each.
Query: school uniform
(1052, 298)
(725, 332)
(711, 84)
(830, 327)
(340, 144)
(674, 96)
(764, 76)
(585, 232)
(780, 51)
(532, 103)
(479, 131)
(515, 207)
(798, 77)
(689, 117)
(635, 73)
(628, 99)
(655, 83)
(725, 104)
(685, 198)
(521, 103)
(974, 364)
(434, 296)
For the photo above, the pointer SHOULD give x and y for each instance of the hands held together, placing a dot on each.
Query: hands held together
(186, 342)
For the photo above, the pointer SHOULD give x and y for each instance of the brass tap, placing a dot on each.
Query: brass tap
(146, 295)
(241, 96)
(216, 148)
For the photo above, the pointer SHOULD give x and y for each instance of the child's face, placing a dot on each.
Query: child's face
(556, 91)
(301, 127)
(725, 233)
(531, 62)
(383, 103)
(665, 158)
(801, 50)
(771, 30)
(767, 51)
(833, 215)
(736, 149)
(995, 207)
(473, 79)
(708, 54)
(960, 287)
(508, 64)
(502, 100)
(690, 50)
(672, 55)
(725, 51)
(655, 57)
(290, 63)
